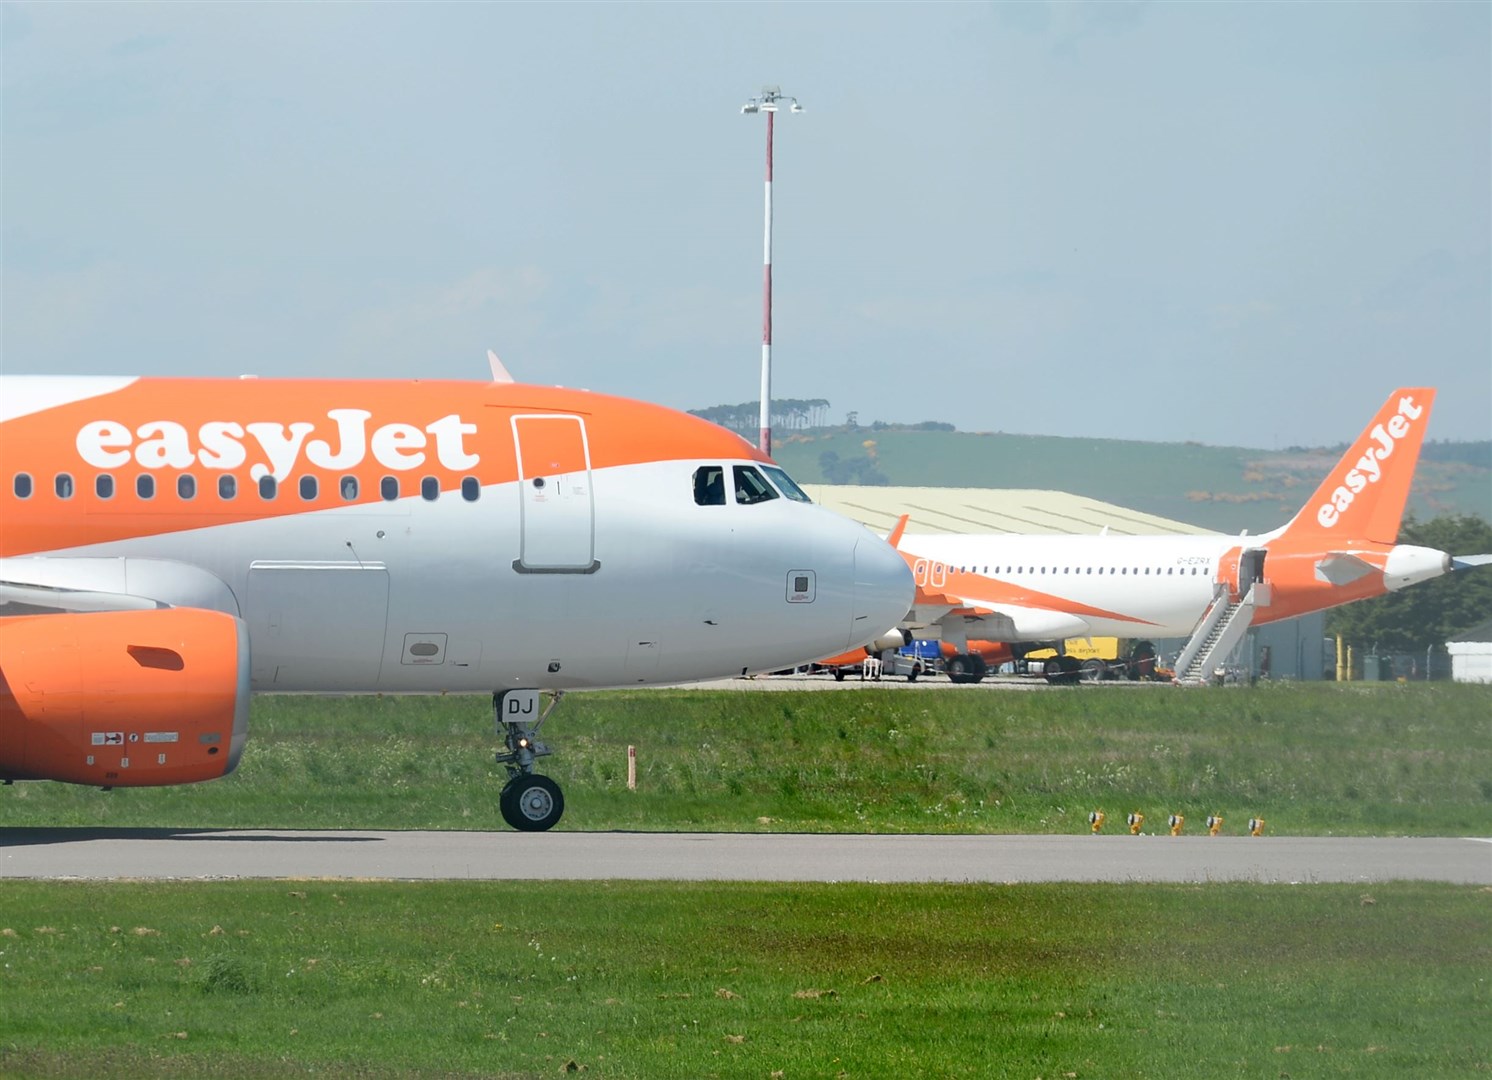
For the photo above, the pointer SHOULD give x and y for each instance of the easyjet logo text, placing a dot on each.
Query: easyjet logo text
(273, 449)
(1369, 468)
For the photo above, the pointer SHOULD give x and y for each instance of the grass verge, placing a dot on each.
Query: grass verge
(372, 980)
(1311, 759)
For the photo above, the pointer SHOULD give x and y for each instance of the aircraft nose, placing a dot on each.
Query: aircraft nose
(883, 590)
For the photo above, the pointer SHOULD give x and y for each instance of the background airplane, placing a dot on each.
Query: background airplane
(1036, 591)
(169, 546)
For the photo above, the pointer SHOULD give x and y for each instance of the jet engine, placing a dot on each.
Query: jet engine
(123, 698)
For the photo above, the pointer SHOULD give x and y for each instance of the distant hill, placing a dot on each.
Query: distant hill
(1216, 487)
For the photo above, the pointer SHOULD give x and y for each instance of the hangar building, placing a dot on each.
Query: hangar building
(1471, 654)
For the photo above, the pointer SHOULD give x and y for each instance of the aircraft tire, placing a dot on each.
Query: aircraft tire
(959, 669)
(531, 803)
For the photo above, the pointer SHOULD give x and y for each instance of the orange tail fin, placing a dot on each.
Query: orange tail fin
(1362, 498)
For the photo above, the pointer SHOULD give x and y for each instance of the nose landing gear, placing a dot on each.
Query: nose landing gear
(529, 802)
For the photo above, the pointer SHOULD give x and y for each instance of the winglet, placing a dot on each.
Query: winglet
(894, 537)
(1363, 497)
(499, 373)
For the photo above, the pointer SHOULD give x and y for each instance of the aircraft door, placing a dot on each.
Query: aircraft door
(1250, 568)
(556, 506)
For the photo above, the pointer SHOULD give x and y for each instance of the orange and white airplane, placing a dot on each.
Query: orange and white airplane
(1342, 546)
(169, 546)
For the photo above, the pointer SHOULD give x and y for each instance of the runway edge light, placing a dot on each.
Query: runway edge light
(1096, 820)
(1136, 823)
(1256, 826)
(1214, 824)
(1177, 823)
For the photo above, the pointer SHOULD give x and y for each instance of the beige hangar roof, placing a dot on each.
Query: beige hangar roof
(988, 510)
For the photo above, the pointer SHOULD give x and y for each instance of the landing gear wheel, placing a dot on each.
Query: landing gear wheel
(531, 803)
(960, 668)
(1063, 670)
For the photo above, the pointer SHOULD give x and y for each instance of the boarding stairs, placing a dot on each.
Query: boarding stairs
(1219, 633)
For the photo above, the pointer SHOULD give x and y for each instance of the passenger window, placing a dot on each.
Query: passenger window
(145, 486)
(22, 485)
(429, 489)
(268, 487)
(709, 485)
(785, 484)
(63, 486)
(103, 486)
(227, 487)
(388, 487)
(751, 486)
(186, 486)
(349, 488)
(308, 488)
(471, 488)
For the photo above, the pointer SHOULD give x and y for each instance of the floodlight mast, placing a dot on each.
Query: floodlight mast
(769, 101)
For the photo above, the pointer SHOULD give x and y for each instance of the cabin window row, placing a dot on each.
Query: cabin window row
(308, 487)
(1159, 571)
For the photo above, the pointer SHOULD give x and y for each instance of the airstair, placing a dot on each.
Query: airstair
(1219, 633)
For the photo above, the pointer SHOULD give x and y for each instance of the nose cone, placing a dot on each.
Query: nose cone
(883, 590)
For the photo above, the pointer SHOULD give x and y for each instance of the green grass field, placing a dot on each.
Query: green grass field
(1312, 759)
(632, 979)
(343, 979)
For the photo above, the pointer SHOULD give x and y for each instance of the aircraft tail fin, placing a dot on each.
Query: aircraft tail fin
(1363, 496)
(894, 538)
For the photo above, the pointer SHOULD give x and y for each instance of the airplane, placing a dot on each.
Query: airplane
(169, 547)
(1034, 591)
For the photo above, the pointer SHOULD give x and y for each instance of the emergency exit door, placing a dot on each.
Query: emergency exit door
(556, 507)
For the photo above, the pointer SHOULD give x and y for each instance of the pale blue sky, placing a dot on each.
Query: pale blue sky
(1238, 223)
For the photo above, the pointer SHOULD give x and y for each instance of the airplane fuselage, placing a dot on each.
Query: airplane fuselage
(1043, 588)
(432, 536)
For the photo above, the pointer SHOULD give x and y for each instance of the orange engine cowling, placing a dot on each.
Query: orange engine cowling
(123, 698)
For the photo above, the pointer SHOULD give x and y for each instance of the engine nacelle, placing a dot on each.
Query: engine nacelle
(890, 641)
(123, 698)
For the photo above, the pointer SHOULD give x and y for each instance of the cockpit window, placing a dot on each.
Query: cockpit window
(785, 484)
(752, 486)
(709, 485)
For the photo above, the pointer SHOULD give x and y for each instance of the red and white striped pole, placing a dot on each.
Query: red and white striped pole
(765, 443)
(769, 103)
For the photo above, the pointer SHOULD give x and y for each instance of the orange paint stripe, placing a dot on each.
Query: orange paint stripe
(994, 591)
(619, 432)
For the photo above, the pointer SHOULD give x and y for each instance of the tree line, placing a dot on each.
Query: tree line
(792, 413)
